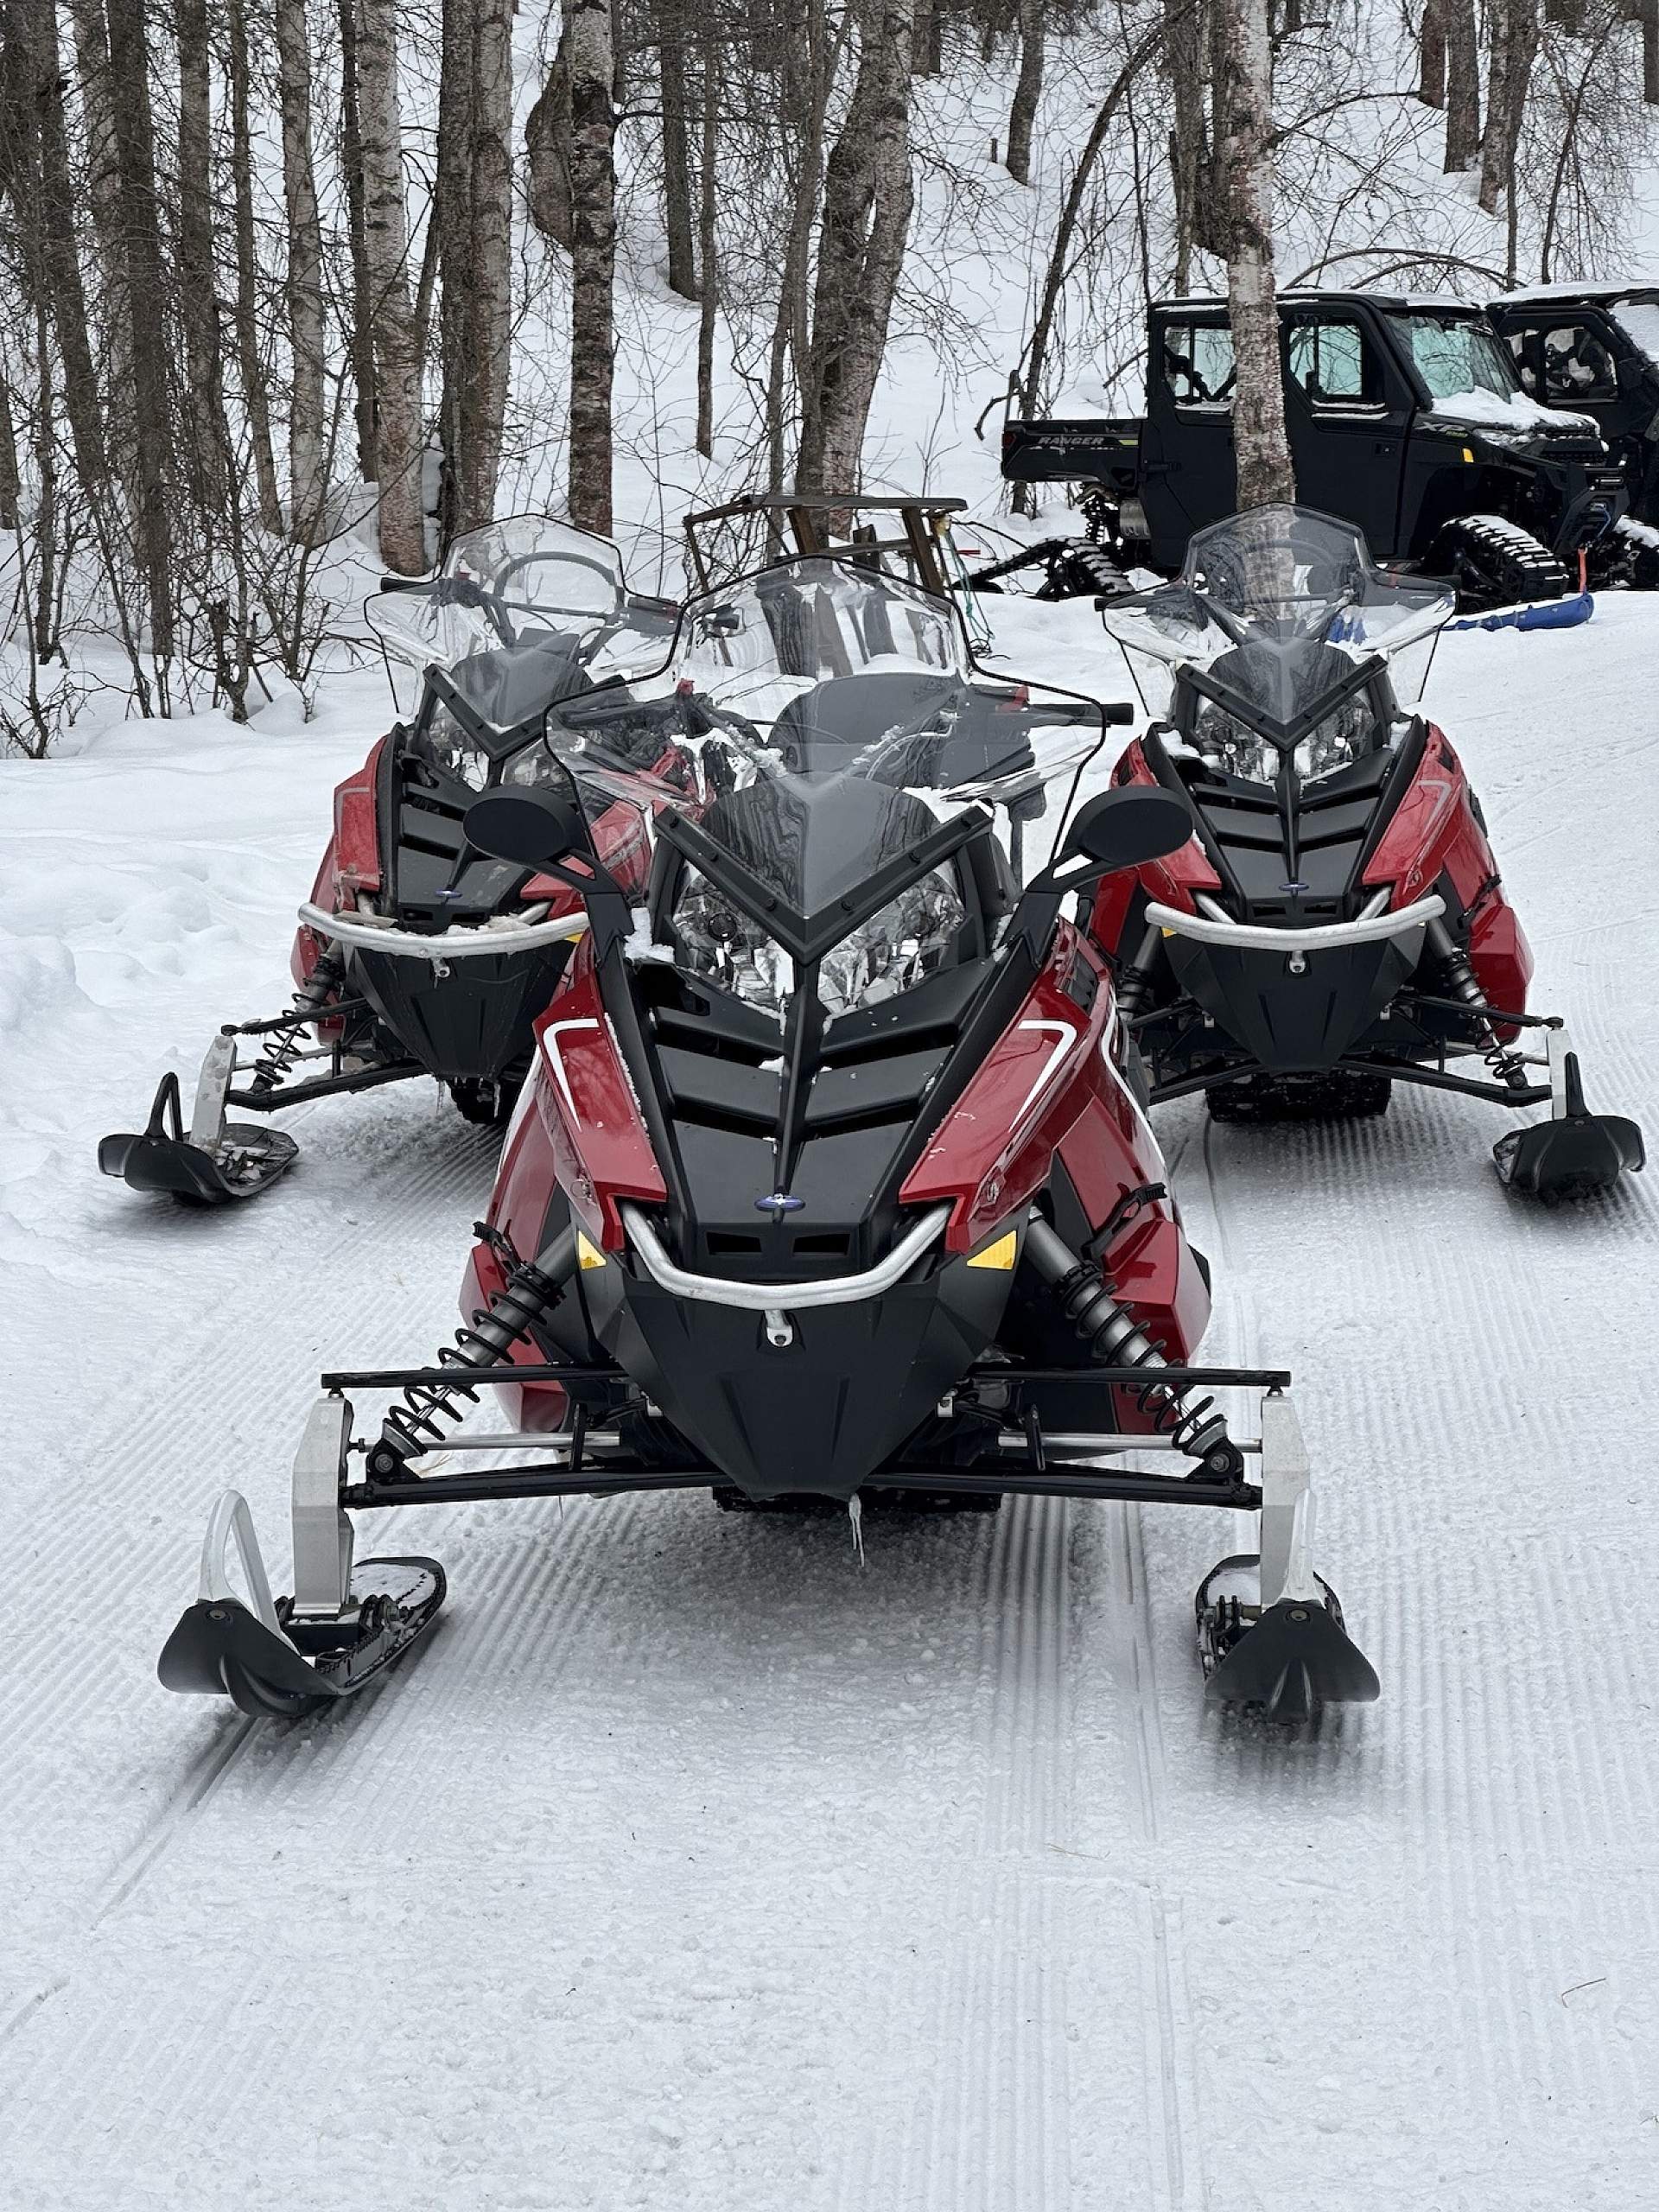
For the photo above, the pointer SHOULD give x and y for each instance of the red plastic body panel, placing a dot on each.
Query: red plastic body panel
(583, 1103)
(1050, 1086)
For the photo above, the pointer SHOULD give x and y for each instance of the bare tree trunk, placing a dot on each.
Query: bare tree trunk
(1243, 187)
(708, 204)
(308, 462)
(1431, 55)
(1462, 87)
(807, 64)
(360, 328)
(677, 155)
(1027, 89)
(1189, 150)
(1514, 45)
(547, 141)
(473, 213)
(866, 203)
(208, 458)
(491, 275)
(924, 45)
(249, 366)
(396, 367)
(145, 304)
(592, 182)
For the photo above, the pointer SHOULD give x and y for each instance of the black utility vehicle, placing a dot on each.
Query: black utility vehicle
(1595, 349)
(1406, 417)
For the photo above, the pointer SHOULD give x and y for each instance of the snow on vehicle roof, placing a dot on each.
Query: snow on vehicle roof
(1544, 293)
(1390, 302)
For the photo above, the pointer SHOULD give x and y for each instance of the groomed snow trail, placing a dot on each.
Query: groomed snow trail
(692, 1867)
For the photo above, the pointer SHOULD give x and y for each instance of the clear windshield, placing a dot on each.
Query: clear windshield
(1454, 354)
(527, 583)
(1637, 316)
(1284, 605)
(824, 726)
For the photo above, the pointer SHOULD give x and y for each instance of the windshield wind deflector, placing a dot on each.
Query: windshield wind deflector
(1282, 581)
(824, 741)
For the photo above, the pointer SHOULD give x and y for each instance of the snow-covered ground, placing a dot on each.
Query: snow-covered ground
(694, 1866)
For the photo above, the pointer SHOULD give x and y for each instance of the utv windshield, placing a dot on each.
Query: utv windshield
(1455, 354)
(819, 751)
(1637, 316)
(1276, 626)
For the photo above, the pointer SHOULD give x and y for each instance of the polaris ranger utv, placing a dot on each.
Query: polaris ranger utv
(1406, 417)
(1595, 349)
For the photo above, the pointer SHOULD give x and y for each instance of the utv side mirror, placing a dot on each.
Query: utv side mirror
(530, 828)
(1121, 828)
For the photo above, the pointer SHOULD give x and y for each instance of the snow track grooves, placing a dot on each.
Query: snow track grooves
(987, 2127)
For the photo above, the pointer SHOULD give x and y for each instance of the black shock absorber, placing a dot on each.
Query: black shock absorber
(1505, 1063)
(285, 1043)
(1134, 982)
(1115, 1338)
(532, 1289)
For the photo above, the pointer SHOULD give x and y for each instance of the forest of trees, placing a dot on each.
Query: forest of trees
(264, 286)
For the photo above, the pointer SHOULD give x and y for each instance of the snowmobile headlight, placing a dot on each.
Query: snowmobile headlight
(1338, 742)
(1233, 746)
(895, 949)
(719, 940)
(447, 747)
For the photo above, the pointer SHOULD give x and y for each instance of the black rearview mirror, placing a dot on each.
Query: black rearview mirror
(1121, 828)
(532, 828)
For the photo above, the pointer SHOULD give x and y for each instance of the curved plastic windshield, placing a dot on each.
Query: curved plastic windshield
(527, 585)
(821, 730)
(1293, 602)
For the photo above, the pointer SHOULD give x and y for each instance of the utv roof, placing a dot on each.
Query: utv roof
(1305, 295)
(1630, 288)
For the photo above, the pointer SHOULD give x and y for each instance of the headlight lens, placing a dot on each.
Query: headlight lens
(1233, 746)
(1339, 741)
(895, 949)
(892, 952)
(446, 746)
(721, 942)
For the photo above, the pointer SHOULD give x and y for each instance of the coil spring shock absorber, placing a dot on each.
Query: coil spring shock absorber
(284, 1045)
(1115, 1338)
(1505, 1063)
(532, 1288)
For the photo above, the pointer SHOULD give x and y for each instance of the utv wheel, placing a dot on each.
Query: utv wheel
(1337, 1096)
(1494, 563)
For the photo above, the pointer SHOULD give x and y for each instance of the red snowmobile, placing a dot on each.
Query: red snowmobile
(417, 955)
(830, 1181)
(1334, 921)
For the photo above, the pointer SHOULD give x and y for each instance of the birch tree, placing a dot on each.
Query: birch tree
(866, 204)
(307, 458)
(1242, 186)
(397, 440)
(592, 62)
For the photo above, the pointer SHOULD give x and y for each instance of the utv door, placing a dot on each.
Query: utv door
(1187, 475)
(1346, 412)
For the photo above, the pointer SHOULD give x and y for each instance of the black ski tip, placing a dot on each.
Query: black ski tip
(221, 1649)
(1572, 1158)
(1297, 1658)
